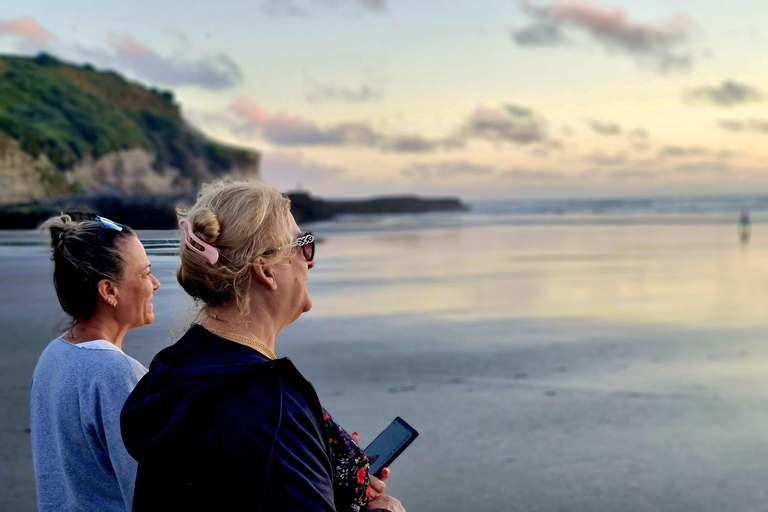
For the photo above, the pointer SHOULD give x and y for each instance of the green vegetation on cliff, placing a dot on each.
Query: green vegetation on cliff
(68, 112)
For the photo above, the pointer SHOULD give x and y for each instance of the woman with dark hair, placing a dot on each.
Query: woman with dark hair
(219, 423)
(103, 281)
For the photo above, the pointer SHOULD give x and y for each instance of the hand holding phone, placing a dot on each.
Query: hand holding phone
(389, 444)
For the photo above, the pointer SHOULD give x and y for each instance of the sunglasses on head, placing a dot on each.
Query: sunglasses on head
(105, 225)
(305, 241)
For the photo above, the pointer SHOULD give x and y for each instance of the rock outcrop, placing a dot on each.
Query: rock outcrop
(69, 130)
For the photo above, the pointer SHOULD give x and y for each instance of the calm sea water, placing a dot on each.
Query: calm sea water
(572, 355)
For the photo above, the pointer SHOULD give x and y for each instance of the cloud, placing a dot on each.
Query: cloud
(26, 29)
(749, 125)
(290, 169)
(445, 170)
(307, 7)
(715, 167)
(289, 130)
(418, 144)
(518, 111)
(340, 94)
(532, 175)
(727, 94)
(514, 124)
(671, 151)
(638, 134)
(179, 36)
(632, 175)
(216, 72)
(600, 158)
(605, 128)
(651, 44)
(539, 34)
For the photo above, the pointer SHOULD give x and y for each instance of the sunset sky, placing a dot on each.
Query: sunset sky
(480, 99)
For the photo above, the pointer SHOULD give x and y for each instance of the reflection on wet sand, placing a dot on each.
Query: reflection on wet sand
(681, 275)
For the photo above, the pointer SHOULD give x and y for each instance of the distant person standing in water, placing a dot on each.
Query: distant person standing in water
(745, 227)
(103, 281)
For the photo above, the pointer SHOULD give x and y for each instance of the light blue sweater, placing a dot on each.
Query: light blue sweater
(80, 461)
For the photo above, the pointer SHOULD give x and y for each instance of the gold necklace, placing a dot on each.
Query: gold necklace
(237, 337)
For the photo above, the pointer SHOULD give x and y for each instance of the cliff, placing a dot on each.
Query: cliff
(306, 208)
(69, 130)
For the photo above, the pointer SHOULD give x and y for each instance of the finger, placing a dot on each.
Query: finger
(355, 438)
(377, 485)
(384, 474)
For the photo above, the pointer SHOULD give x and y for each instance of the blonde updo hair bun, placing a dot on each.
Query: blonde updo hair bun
(242, 220)
(205, 225)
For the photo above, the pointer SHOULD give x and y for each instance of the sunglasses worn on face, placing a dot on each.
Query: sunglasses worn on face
(305, 241)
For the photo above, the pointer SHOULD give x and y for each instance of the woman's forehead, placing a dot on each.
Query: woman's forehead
(294, 227)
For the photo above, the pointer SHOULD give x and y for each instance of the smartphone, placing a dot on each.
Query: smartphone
(389, 444)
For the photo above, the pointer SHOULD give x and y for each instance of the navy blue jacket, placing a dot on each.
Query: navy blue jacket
(215, 425)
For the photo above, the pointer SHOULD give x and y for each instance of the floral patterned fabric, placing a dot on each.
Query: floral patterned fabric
(350, 469)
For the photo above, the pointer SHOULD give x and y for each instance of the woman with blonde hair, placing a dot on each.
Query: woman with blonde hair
(104, 282)
(219, 423)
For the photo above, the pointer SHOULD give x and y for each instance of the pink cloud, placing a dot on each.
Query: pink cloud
(26, 28)
(650, 43)
(284, 129)
(128, 47)
(613, 21)
(244, 108)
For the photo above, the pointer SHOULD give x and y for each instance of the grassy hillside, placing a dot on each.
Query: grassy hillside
(69, 112)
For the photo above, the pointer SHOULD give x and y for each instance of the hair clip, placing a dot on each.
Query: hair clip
(209, 252)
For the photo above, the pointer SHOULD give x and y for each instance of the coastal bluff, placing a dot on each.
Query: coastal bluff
(68, 130)
(77, 139)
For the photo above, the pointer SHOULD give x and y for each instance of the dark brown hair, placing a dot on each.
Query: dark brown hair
(81, 260)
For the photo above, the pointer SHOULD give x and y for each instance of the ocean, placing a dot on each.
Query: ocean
(575, 355)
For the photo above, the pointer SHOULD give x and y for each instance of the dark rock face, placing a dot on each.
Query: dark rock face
(306, 208)
(159, 211)
(138, 212)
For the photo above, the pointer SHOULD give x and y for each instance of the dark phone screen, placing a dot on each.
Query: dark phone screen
(384, 446)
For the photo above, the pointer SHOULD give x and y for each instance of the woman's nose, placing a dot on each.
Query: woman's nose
(156, 283)
(310, 264)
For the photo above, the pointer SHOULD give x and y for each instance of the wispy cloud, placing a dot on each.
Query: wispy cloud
(539, 34)
(514, 124)
(284, 129)
(672, 151)
(215, 72)
(419, 144)
(291, 169)
(308, 7)
(748, 125)
(26, 29)
(727, 94)
(288, 130)
(652, 44)
(605, 128)
(534, 175)
(603, 159)
(445, 170)
(340, 94)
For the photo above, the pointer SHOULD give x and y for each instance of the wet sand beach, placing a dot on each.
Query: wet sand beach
(573, 367)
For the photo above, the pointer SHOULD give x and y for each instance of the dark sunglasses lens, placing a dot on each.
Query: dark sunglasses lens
(309, 249)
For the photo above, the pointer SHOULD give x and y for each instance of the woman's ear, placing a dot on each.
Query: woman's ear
(108, 291)
(264, 275)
